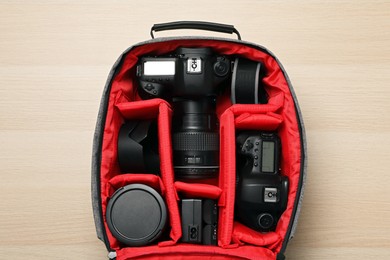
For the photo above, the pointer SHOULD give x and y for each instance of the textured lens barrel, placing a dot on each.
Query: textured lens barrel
(195, 139)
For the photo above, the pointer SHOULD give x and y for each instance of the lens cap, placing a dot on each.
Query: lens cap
(136, 214)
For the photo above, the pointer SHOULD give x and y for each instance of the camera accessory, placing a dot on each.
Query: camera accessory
(261, 190)
(246, 85)
(199, 221)
(136, 215)
(210, 221)
(190, 78)
(137, 147)
(191, 214)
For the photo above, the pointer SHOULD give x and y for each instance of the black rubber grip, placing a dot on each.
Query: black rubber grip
(197, 25)
(195, 141)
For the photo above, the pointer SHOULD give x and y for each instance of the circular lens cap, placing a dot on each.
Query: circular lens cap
(136, 214)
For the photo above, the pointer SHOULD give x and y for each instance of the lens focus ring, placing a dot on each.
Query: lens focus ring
(195, 141)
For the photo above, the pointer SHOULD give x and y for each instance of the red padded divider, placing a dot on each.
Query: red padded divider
(265, 122)
(227, 178)
(142, 110)
(148, 179)
(166, 168)
(198, 190)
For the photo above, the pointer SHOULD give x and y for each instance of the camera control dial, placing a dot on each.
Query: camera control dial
(221, 67)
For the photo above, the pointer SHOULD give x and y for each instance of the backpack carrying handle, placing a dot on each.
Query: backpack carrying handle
(197, 25)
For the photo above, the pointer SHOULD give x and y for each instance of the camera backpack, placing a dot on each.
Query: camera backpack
(177, 198)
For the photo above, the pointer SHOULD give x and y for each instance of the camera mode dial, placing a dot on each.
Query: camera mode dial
(221, 67)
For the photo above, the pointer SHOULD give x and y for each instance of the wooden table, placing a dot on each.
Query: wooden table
(54, 60)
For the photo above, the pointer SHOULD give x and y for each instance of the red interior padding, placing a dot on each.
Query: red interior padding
(198, 190)
(142, 110)
(243, 235)
(195, 252)
(227, 178)
(148, 179)
(266, 122)
(279, 114)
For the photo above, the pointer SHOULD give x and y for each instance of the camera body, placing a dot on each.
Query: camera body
(188, 73)
(261, 190)
(190, 79)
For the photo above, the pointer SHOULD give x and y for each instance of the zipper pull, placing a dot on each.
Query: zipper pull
(112, 255)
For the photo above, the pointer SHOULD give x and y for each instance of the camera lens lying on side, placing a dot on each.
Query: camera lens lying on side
(195, 139)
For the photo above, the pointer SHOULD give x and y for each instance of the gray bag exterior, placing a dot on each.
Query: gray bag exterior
(99, 130)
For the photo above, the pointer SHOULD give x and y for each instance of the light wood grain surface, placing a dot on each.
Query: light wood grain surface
(54, 60)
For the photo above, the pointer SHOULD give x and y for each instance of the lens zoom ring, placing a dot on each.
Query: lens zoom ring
(195, 141)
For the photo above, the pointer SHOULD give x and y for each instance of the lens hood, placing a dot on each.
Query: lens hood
(137, 147)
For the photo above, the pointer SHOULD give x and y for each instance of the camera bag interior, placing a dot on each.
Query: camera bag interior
(120, 102)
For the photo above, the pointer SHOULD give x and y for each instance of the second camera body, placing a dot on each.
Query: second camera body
(261, 190)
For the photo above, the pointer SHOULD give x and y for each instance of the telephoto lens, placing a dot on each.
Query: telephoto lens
(195, 138)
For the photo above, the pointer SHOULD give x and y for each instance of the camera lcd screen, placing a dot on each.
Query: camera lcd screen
(159, 68)
(268, 160)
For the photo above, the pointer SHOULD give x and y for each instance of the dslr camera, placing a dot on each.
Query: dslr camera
(261, 190)
(191, 79)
